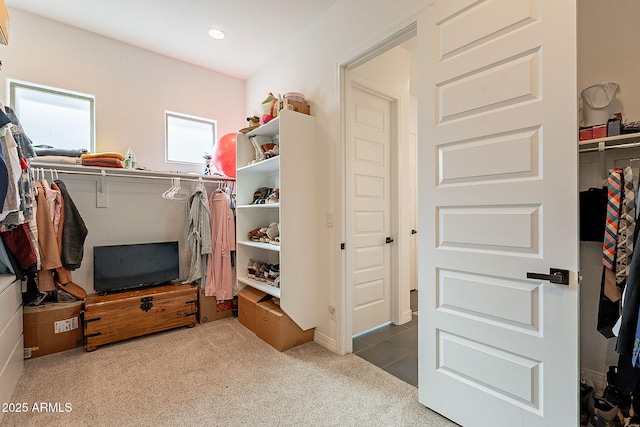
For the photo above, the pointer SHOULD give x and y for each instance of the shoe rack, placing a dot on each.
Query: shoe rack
(293, 172)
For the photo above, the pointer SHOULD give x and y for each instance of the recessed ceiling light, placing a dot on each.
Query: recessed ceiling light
(216, 33)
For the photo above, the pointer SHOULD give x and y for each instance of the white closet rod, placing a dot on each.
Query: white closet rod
(603, 147)
(164, 176)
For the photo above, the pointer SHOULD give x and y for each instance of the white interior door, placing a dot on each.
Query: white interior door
(369, 208)
(498, 199)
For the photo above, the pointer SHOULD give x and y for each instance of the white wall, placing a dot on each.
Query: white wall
(310, 64)
(607, 31)
(607, 37)
(133, 88)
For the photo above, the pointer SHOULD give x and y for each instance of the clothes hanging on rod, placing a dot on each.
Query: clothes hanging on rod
(219, 282)
(198, 235)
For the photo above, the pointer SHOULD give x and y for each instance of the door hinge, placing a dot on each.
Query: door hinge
(342, 246)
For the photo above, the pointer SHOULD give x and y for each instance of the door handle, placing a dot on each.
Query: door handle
(556, 275)
(414, 231)
(389, 240)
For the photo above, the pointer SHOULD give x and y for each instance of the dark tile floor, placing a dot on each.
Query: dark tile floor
(393, 348)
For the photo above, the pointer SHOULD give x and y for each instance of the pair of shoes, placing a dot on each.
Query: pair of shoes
(604, 414)
(586, 397)
(265, 234)
(260, 195)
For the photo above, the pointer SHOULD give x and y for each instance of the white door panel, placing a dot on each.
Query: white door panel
(369, 199)
(498, 198)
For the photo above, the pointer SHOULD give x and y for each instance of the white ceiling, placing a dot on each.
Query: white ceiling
(178, 28)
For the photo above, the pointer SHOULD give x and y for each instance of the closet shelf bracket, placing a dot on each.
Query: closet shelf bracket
(602, 146)
(101, 194)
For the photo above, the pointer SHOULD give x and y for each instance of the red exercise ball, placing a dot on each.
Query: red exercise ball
(224, 155)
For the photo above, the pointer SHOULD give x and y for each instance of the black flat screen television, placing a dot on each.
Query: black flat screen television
(126, 267)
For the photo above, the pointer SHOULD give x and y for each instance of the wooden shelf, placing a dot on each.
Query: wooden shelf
(262, 286)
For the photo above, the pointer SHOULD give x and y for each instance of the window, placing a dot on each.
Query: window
(55, 117)
(188, 138)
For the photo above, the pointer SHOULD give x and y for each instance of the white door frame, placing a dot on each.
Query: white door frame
(345, 299)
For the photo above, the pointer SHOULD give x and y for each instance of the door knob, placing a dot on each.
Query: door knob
(555, 275)
(389, 240)
(414, 231)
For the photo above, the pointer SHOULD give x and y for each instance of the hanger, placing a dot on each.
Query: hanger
(219, 188)
(176, 192)
(165, 195)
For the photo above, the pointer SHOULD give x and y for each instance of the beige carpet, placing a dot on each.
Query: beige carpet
(216, 374)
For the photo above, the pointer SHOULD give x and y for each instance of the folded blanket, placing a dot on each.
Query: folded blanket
(105, 162)
(45, 150)
(106, 154)
(64, 160)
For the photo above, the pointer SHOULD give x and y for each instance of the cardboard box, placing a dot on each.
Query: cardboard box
(51, 328)
(248, 298)
(209, 309)
(300, 107)
(277, 329)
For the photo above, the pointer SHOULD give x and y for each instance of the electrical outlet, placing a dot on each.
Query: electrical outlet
(332, 312)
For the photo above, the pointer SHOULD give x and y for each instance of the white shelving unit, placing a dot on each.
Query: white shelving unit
(294, 173)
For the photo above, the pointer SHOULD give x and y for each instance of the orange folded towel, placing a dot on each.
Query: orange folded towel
(106, 154)
(105, 162)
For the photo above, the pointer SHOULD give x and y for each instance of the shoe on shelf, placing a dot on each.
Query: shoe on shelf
(274, 197)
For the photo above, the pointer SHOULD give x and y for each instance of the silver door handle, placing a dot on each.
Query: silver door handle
(556, 275)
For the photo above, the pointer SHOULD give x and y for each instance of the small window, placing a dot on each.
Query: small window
(188, 138)
(55, 117)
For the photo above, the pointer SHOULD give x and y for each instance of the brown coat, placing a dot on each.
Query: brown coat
(47, 242)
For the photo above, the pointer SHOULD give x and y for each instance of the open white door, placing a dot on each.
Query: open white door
(369, 208)
(498, 199)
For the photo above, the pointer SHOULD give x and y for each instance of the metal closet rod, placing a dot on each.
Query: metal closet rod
(609, 147)
(165, 176)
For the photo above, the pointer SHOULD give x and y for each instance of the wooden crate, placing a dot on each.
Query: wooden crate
(120, 316)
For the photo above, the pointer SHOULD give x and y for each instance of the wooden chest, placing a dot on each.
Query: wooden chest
(120, 316)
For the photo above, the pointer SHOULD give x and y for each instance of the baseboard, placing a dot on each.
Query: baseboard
(326, 341)
(406, 317)
(599, 379)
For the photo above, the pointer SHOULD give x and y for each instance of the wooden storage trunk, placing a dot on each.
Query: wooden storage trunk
(125, 315)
